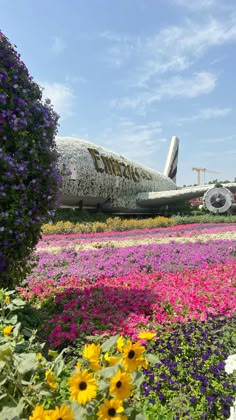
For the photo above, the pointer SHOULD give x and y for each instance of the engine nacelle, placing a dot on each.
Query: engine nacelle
(218, 200)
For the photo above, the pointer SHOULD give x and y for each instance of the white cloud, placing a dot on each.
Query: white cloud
(206, 114)
(156, 63)
(58, 45)
(61, 97)
(199, 84)
(176, 48)
(178, 86)
(171, 50)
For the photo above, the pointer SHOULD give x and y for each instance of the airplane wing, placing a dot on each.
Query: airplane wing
(155, 199)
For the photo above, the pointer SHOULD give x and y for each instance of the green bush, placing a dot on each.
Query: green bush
(29, 178)
(204, 218)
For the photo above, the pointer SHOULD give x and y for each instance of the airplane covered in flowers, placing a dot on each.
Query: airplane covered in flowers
(96, 178)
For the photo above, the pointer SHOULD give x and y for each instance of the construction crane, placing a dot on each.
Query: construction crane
(204, 170)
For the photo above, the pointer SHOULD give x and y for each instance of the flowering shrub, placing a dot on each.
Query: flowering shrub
(29, 179)
(190, 381)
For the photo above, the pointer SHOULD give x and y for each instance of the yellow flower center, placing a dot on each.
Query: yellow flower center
(111, 412)
(131, 354)
(118, 384)
(82, 386)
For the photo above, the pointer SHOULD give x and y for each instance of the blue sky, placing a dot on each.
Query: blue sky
(129, 74)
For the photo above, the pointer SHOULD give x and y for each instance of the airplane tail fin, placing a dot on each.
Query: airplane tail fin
(172, 159)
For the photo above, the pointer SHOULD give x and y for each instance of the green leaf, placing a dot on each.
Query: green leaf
(59, 367)
(79, 411)
(45, 393)
(60, 356)
(25, 382)
(9, 413)
(17, 329)
(138, 378)
(103, 385)
(27, 362)
(140, 417)
(2, 364)
(26, 332)
(108, 344)
(13, 413)
(133, 414)
(5, 352)
(13, 319)
(18, 302)
(53, 353)
(108, 372)
(152, 358)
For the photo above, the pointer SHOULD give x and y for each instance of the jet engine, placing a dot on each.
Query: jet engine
(218, 200)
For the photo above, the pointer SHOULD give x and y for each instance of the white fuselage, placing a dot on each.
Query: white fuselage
(99, 176)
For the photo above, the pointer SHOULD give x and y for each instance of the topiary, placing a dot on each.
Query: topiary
(29, 181)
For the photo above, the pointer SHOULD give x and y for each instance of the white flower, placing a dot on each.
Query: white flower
(230, 363)
(233, 412)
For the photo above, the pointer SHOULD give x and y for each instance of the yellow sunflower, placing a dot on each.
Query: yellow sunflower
(83, 387)
(120, 343)
(121, 385)
(39, 356)
(112, 360)
(7, 300)
(78, 365)
(51, 380)
(92, 352)
(38, 414)
(7, 330)
(109, 410)
(132, 356)
(147, 335)
(62, 413)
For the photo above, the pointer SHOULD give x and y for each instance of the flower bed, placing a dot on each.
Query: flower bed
(79, 241)
(142, 299)
(112, 262)
(190, 377)
(182, 291)
(117, 224)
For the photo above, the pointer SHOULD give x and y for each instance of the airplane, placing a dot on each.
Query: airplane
(96, 178)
